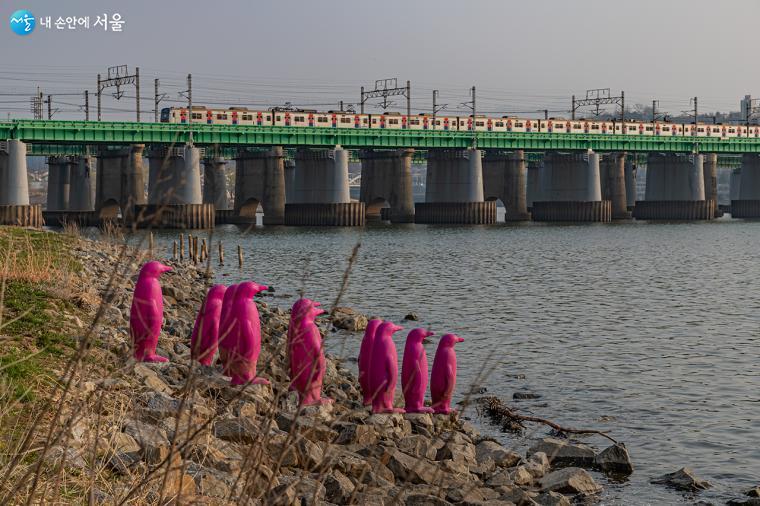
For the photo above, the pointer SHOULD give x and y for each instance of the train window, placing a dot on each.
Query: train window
(218, 116)
(479, 123)
(499, 124)
(298, 118)
(518, 125)
(631, 128)
(267, 117)
(594, 127)
(577, 125)
(321, 119)
(393, 121)
(247, 117)
(414, 122)
(278, 118)
(700, 129)
(731, 131)
(364, 120)
(345, 120)
(648, 129)
(197, 115)
(716, 130)
(374, 121)
(437, 122)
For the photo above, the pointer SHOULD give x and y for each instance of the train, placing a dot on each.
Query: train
(397, 121)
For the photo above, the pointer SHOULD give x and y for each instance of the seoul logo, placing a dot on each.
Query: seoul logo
(22, 22)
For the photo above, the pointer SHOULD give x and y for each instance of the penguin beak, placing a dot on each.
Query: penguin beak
(261, 288)
(396, 328)
(165, 268)
(429, 333)
(316, 304)
(460, 339)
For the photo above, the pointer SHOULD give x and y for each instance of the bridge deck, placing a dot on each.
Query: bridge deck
(93, 132)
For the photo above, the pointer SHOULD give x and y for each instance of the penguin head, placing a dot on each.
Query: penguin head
(154, 269)
(248, 289)
(418, 334)
(314, 310)
(388, 328)
(216, 292)
(450, 340)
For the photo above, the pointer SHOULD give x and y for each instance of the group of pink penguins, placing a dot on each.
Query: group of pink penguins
(228, 322)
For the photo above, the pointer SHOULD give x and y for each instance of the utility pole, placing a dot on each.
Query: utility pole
(546, 114)
(36, 103)
(361, 100)
(573, 109)
(435, 96)
(50, 109)
(341, 106)
(696, 111)
(137, 91)
(100, 91)
(86, 105)
(622, 107)
(655, 103)
(119, 76)
(155, 100)
(189, 98)
(408, 100)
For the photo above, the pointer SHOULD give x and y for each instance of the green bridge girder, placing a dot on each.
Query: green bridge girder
(112, 133)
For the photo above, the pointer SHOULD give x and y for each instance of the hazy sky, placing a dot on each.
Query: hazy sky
(521, 55)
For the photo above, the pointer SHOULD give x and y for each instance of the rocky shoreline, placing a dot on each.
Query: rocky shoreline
(178, 433)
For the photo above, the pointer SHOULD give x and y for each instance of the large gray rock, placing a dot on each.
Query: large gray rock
(491, 451)
(571, 480)
(418, 446)
(237, 430)
(409, 469)
(564, 453)
(683, 479)
(349, 319)
(614, 459)
(552, 499)
(338, 487)
(154, 444)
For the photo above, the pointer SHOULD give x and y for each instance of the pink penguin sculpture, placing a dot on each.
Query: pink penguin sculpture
(444, 375)
(239, 350)
(205, 338)
(225, 319)
(365, 354)
(414, 372)
(307, 357)
(383, 369)
(147, 313)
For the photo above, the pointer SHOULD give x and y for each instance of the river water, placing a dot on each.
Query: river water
(648, 331)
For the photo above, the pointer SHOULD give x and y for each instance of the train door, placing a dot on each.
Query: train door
(287, 119)
(425, 123)
(209, 116)
(445, 123)
(259, 119)
(234, 117)
(311, 120)
(183, 115)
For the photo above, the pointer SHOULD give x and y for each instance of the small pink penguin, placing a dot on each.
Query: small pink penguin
(307, 357)
(147, 313)
(414, 372)
(365, 354)
(225, 319)
(239, 350)
(205, 338)
(383, 369)
(444, 375)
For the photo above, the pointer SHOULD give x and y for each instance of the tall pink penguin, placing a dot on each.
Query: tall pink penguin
(307, 357)
(365, 353)
(414, 372)
(239, 350)
(443, 379)
(225, 317)
(383, 369)
(205, 338)
(147, 313)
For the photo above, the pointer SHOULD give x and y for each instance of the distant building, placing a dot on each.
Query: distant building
(745, 105)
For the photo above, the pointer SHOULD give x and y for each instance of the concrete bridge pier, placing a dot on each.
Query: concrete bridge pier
(630, 184)
(734, 185)
(82, 178)
(387, 182)
(290, 180)
(710, 176)
(59, 183)
(571, 189)
(175, 199)
(260, 180)
(675, 189)
(454, 192)
(747, 203)
(533, 192)
(612, 178)
(120, 183)
(505, 177)
(215, 183)
(14, 187)
(320, 191)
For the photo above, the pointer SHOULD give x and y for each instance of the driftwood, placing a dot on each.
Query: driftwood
(498, 410)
